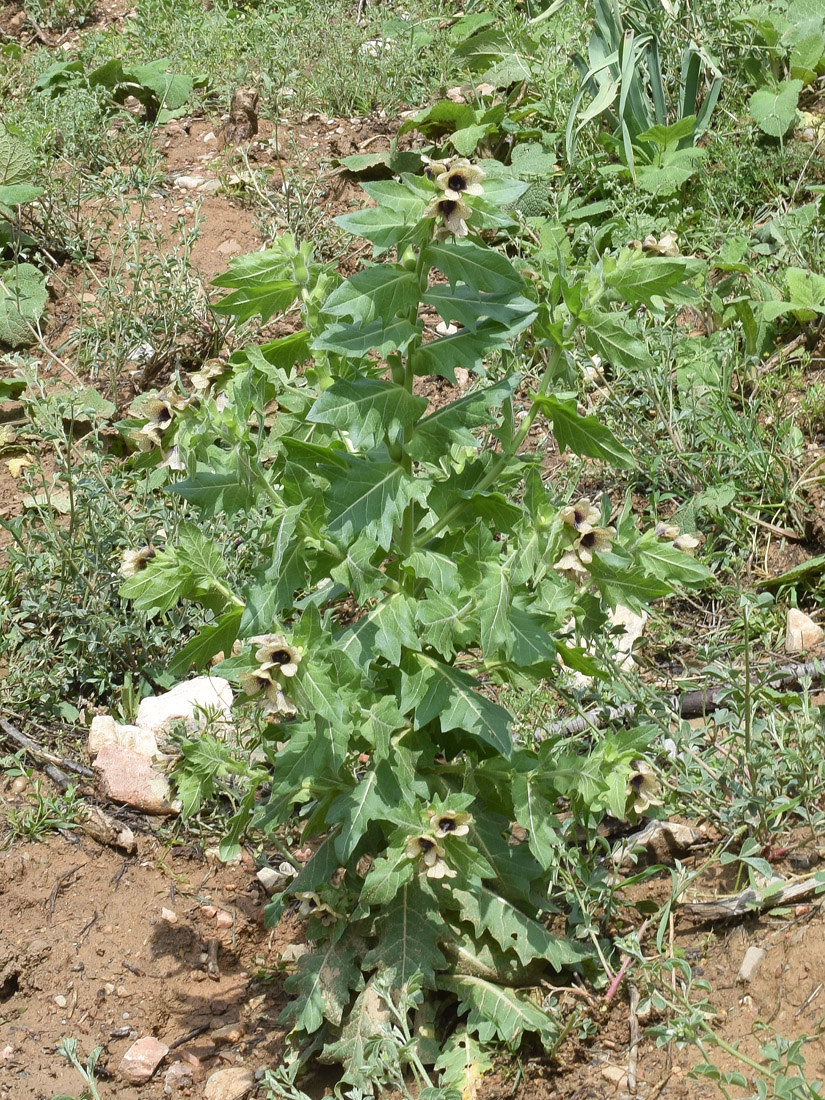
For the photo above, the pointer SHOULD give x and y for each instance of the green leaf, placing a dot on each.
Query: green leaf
(482, 269)
(532, 644)
(408, 931)
(438, 617)
(622, 584)
(214, 492)
(674, 566)
(370, 800)
(357, 570)
(379, 292)
(386, 877)
(498, 1013)
(357, 340)
(17, 193)
(460, 349)
(493, 610)
(451, 696)
(645, 277)
(452, 424)
(316, 689)
(462, 1062)
(211, 639)
(583, 435)
(535, 812)
(381, 632)
(369, 497)
(322, 985)
(467, 307)
(613, 337)
(393, 222)
(368, 410)
(774, 108)
(263, 298)
(16, 162)
(438, 569)
(23, 297)
(275, 582)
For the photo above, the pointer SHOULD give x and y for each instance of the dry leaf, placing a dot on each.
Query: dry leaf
(18, 464)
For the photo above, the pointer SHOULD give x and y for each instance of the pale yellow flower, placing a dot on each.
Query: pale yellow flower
(449, 823)
(643, 787)
(581, 514)
(686, 543)
(276, 653)
(570, 566)
(430, 855)
(596, 539)
(453, 214)
(460, 177)
(133, 561)
(160, 417)
(666, 531)
(312, 906)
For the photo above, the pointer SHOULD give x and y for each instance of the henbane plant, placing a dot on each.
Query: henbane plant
(409, 561)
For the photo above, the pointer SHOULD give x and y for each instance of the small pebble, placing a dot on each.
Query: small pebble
(60, 1001)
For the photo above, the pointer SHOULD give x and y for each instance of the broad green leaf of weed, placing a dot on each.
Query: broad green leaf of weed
(496, 1013)
(408, 931)
(438, 616)
(381, 632)
(614, 337)
(452, 424)
(214, 638)
(358, 340)
(480, 268)
(511, 928)
(23, 297)
(452, 697)
(463, 1062)
(583, 435)
(368, 410)
(535, 812)
(358, 571)
(369, 497)
(773, 109)
(460, 349)
(369, 800)
(378, 292)
(387, 876)
(322, 987)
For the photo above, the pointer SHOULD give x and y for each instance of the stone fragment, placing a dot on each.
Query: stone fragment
(189, 183)
(178, 1077)
(224, 919)
(616, 1075)
(128, 777)
(243, 117)
(801, 632)
(106, 731)
(229, 1084)
(169, 915)
(273, 881)
(661, 841)
(227, 1034)
(142, 1059)
(754, 957)
(191, 701)
(61, 1001)
(229, 248)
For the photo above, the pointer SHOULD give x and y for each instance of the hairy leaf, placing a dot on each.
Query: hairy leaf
(498, 1013)
(408, 931)
(368, 410)
(583, 435)
(322, 985)
(369, 497)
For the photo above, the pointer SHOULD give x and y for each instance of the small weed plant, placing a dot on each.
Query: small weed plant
(408, 561)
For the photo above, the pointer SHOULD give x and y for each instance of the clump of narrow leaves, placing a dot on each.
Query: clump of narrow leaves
(409, 560)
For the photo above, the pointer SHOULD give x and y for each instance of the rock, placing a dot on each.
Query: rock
(189, 183)
(169, 915)
(106, 731)
(178, 1077)
(206, 695)
(229, 248)
(273, 881)
(801, 632)
(754, 957)
(224, 919)
(61, 1001)
(229, 1084)
(128, 777)
(142, 1059)
(227, 1034)
(615, 1074)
